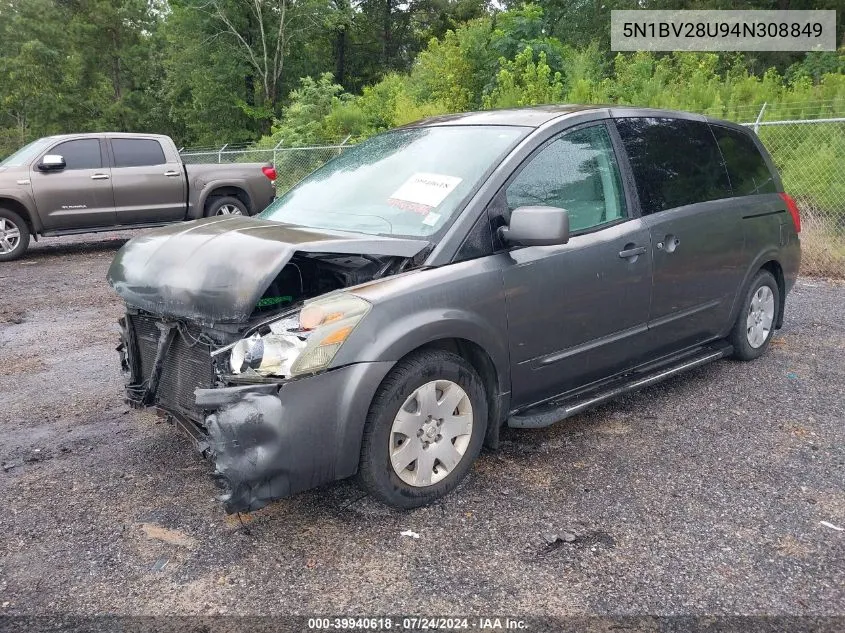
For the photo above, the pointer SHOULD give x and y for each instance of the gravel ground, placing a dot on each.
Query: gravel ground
(703, 495)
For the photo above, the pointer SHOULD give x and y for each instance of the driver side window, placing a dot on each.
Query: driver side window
(578, 172)
(80, 153)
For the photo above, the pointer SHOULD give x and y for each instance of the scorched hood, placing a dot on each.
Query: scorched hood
(214, 270)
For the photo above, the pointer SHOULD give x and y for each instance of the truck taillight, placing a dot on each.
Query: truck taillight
(793, 211)
(270, 172)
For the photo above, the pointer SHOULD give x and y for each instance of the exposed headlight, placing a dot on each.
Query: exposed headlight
(301, 343)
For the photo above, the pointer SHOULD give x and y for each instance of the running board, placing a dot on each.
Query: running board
(546, 415)
(106, 229)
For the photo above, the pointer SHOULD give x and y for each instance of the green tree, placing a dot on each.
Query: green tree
(35, 93)
(526, 80)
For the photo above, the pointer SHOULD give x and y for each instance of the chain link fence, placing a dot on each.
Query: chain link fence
(292, 163)
(810, 155)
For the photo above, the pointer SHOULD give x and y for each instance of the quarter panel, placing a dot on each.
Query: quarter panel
(204, 179)
(769, 236)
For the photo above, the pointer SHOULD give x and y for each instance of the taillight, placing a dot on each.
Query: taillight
(270, 172)
(793, 211)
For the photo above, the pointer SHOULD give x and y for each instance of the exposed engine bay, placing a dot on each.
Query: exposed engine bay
(166, 359)
(310, 275)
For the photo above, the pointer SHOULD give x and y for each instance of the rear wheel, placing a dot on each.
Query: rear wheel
(225, 205)
(755, 323)
(424, 429)
(14, 235)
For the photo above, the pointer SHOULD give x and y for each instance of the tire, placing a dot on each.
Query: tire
(755, 323)
(14, 235)
(225, 205)
(421, 375)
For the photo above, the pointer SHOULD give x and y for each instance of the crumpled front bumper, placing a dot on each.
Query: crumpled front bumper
(272, 440)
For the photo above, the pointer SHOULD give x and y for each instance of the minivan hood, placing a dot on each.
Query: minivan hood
(215, 270)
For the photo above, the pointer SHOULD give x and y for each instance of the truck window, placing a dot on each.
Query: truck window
(675, 162)
(137, 152)
(80, 154)
(747, 169)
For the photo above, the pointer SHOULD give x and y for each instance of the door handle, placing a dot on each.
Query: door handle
(171, 173)
(100, 177)
(632, 252)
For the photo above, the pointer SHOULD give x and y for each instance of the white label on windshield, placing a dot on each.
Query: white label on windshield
(431, 219)
(422, 192)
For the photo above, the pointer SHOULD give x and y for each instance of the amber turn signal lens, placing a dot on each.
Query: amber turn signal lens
(338, 336)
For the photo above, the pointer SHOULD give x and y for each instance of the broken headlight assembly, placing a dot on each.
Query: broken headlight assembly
(299, 343)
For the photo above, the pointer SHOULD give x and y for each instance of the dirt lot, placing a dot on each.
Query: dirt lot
(702, 495)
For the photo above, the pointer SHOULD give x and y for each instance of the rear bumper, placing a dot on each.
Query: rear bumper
(272, 440)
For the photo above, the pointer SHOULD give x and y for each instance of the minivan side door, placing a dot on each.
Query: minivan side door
(79, 196)
(148, 188)
(577, 311)
(696, 230)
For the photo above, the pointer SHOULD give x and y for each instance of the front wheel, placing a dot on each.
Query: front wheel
(425, 427)
(758, 314)
(14, 235)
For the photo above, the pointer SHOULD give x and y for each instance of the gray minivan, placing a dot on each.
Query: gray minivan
(389, 314)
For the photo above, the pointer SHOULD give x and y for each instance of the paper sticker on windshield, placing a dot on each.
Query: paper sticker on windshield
(431, 219)
(422, 192)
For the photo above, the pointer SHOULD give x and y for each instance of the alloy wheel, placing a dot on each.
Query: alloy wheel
(10, 236)
(761, 314)
(229, 209)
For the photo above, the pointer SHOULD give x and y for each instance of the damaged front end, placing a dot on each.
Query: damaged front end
(252, 387)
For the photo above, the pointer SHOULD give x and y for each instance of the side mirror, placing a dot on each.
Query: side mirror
(537, 226)
(52, 162)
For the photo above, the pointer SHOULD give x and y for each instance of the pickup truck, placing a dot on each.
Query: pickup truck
(82, 183)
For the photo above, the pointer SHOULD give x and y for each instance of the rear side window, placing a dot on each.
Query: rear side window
(675, 162)
(747, 169)
(136, 152)
(81, 154)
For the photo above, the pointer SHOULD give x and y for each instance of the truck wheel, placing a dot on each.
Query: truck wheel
(425, 427)
(758, 314)
(14, 235)
(225, 205)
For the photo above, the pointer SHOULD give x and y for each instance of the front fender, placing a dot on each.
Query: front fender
(23, 200)
(458, 301)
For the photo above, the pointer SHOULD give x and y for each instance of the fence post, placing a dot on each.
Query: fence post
(278, 145)
(342, 143)
(220, 153)
(760, 117)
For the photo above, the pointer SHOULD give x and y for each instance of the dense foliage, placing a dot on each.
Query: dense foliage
(301, 72)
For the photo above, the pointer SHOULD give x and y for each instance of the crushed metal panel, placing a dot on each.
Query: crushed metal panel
(215, 270)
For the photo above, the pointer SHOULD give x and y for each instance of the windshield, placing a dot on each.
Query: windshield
(407, 182)
(26, 153)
